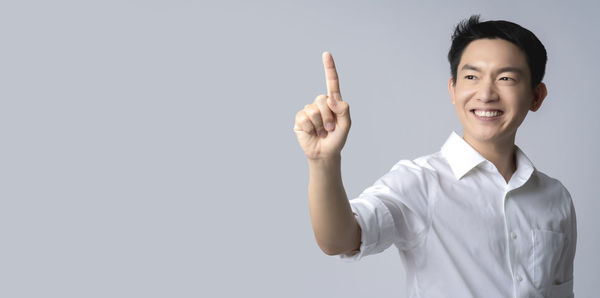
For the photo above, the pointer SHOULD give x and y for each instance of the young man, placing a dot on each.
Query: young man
(475, 219)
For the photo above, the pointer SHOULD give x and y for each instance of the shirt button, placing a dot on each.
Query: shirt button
(519, 278)
(513, 235)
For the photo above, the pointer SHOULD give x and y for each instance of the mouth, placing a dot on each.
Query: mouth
(487, 114)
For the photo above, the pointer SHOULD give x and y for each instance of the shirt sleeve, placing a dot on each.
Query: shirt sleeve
(377, 227)
(572, 243)
(391, 211)
(562, 286)
(571, 248)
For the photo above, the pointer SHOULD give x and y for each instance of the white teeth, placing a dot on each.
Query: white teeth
(487, 113)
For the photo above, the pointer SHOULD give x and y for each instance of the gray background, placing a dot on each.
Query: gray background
(147, 147)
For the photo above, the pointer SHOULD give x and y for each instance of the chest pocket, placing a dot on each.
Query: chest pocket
(547, 247)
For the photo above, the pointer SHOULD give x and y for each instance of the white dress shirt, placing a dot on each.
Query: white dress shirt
(462, 231)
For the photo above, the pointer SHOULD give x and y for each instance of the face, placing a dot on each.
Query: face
(493, 93)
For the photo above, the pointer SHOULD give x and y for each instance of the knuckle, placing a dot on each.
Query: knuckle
(321, 99)
(312, 113)
(309, 125)
(300, 121)
(326, 117)
(306, 125)
(324, 108)
(345, 107)
(323, 105)
(308, 128)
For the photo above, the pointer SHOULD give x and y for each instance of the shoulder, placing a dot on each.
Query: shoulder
(551, 185)
(424, 165)
(418, 173)
(554, 194)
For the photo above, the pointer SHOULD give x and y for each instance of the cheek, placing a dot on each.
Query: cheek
(525, 97)
(463, 94)
(525, 106)
(520, 109)
(524, 103)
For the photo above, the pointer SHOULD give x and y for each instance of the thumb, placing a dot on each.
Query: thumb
(341, 110)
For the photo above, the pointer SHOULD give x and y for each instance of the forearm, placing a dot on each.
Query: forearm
(334, 225)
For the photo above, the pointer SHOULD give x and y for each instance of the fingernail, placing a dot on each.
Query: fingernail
(322, 133)
(329, 126)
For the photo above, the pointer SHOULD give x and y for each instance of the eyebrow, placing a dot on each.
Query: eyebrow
(501, 70)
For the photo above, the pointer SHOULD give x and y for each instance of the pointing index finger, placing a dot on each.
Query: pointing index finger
(331, 77)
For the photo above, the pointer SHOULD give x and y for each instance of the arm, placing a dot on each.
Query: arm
(334, 225)
(322, 128)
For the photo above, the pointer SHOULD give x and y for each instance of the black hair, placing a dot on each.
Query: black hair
(469, 30)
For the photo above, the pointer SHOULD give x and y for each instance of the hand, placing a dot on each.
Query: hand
(322, 126)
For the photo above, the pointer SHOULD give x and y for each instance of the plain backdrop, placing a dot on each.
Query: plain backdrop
(147, 147)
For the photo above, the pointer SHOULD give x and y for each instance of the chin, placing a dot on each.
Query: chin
(485, 136)
(493, 137)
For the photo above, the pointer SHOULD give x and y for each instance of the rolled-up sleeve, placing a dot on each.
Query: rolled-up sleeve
(377, 227)
(391, 211)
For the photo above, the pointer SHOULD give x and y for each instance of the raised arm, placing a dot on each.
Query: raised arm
(322, 129)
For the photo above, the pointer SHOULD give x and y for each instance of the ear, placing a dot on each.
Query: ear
(451, 90)
(539, 93)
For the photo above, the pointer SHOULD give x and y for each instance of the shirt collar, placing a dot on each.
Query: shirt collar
(463, 158)
(525, 169)
(460, 155)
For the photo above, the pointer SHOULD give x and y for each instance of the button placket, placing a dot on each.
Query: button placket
(512, 235)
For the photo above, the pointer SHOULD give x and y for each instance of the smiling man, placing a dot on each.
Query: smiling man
(475, 219)
(493, 89)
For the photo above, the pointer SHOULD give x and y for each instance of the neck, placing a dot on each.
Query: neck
(500, 153)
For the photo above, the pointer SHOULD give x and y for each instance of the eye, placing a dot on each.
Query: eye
(469, 77)
(506, 79)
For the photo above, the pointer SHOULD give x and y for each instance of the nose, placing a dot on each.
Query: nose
(487, 91)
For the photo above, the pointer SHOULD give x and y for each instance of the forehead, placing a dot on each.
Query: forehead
(493, 53)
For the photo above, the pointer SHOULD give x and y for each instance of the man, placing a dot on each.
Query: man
(475, 219)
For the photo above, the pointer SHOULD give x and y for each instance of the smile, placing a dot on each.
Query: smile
(487, 114)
